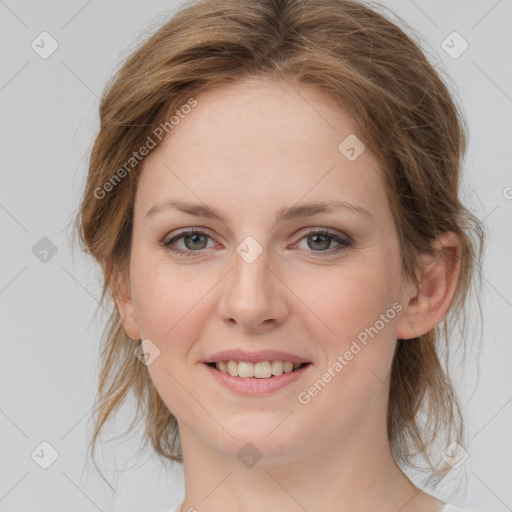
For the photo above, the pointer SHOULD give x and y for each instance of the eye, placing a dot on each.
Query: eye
(320, 240)
(194, 241)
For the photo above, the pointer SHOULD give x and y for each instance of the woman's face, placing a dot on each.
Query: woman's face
(256, 282)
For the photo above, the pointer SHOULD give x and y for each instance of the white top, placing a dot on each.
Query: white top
(446, 508)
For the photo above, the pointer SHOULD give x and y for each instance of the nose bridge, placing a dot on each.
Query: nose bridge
(253, 295)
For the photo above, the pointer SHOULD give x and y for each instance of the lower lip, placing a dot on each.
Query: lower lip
(254, 386)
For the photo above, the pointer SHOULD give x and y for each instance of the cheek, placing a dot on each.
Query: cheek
(361, 310)
(164, 296)
(172, 304)
(353, 298)
(359, 355)
(171, 311)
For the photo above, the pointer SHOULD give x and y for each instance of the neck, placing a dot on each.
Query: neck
(355, 472)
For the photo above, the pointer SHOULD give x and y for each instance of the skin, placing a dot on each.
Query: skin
(248, 150)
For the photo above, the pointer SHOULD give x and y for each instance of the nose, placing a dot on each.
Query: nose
(254, 296)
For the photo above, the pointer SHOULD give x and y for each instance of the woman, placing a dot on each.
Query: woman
(273, 200)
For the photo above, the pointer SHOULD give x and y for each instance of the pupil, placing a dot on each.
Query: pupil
(326, 241)
(194, 240)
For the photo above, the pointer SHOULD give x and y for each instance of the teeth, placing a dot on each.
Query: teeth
(245, 369)
(262, 370)
(233, 368)
(277, 367)
(287, 367)
(259, 370)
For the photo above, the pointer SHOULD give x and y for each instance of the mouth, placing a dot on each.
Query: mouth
(265, 370)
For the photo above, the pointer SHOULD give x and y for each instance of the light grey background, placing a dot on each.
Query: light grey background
(49, 336)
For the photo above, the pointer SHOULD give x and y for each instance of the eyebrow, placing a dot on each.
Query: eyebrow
(286, 213)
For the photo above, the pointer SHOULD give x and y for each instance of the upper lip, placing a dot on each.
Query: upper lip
(254, 357)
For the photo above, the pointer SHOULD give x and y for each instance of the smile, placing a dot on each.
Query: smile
(259, 370)
(256, 379)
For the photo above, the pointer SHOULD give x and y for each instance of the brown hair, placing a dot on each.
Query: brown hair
(405, 116)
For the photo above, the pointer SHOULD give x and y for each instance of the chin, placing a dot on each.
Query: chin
(263, 435)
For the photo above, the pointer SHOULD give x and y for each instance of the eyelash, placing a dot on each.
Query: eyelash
(344, 243)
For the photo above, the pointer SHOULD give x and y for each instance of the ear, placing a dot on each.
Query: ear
(123, 298)
(438, 278)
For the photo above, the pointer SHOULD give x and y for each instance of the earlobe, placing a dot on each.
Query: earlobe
(123, 298)
(439, 275)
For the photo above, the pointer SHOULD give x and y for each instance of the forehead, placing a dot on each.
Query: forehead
(270, 112)
(262, 141)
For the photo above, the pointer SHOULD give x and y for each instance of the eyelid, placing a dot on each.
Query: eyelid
(187, 231)
(328, 231)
